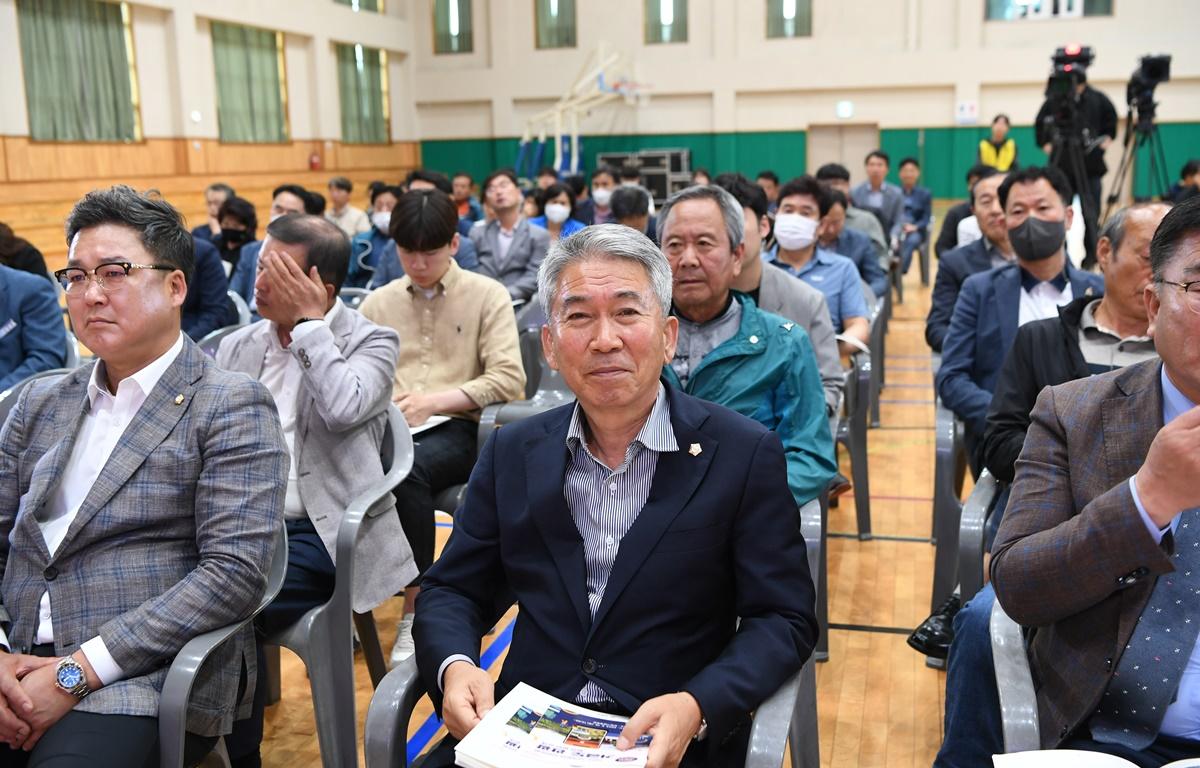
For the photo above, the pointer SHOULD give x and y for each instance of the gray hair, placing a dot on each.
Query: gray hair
(1114, 228)
(613, 241)
(731, 210)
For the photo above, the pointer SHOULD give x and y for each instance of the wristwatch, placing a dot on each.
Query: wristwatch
(70, 677)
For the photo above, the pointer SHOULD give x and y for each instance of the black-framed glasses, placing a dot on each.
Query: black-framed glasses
(109, 277)
(1191, 293)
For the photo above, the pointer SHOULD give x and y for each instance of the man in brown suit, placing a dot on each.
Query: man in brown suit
(1102, 535)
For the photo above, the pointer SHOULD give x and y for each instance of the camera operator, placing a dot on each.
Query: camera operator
(1098, 118)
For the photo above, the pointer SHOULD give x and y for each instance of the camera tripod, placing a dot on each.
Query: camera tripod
(1067, 154)
(1140, 134)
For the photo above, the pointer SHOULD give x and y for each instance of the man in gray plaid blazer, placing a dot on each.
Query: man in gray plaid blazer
(140, 498)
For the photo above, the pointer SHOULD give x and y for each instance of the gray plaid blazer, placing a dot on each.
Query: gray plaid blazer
(174, 539)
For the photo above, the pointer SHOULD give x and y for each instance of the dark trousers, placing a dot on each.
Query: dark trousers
(908, 244)
(443, 457)
(1164, 749)
(307, 584)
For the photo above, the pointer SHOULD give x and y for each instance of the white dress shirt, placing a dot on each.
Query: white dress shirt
(1042, 300)
(99, 433)
(281, 376)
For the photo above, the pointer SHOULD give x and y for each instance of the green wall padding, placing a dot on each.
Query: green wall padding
(1180, 141)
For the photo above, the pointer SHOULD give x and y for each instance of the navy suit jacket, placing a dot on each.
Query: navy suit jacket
(32, 335)
(206, 307)
(982, 330)
(857, 247)
(954, 267)
(717, 539)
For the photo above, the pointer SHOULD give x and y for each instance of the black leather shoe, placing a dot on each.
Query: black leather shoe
(935, 634)
(838, 486)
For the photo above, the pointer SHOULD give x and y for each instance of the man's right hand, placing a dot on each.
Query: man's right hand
(468, 695)
(1166, 482)
(14, 702)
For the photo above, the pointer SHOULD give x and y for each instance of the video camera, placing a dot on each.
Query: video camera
(1139, 93)
(1070, 69)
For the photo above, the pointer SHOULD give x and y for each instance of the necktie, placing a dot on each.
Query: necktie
(1147, 677)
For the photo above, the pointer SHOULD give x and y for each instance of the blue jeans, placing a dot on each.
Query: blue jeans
(908, 244)
(973, 725)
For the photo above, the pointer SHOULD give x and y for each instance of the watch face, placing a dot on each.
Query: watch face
(70, 675)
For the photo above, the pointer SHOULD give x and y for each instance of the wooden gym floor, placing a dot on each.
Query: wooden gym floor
(878, 703)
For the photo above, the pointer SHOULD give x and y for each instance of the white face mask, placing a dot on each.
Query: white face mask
(602, 196)
(794, 232)
(382, 220)
(557, 213)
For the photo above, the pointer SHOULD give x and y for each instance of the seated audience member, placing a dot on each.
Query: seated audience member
(286, 199)
(529, 205)
(206, 307)
(948, 236)
(837, 177)
(349, 219)
(547, 176)
(993, 304)
(833, 235)
(880, 196)
(239, 227)
(631, 176)
(1188, 184)
(604, 181)
(770, 187)
(777, 292)
(703, 507)
(32, 335)
(215, 196)
(369, 249)
(802, 203)
(458, 353)
(918, 208)
(631, 208)
(556, 204)
(509, 248)
(390, 267)
(1089, 336)
(989, 252)
(330, 372)
(18, 253)
(314, 203)
(998, 150)
(468, 205)
(371, 189)
(732, 353)
(585, 209)
(159, 481)
(701, 177)
(1098, 546)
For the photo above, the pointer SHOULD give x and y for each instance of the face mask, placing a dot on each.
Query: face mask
(602, 196)
(234, 236)
(382, 220)
(557, 213)
(1035, 239)
(794, 232)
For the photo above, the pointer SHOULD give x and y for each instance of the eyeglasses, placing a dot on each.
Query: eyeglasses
(109, 277)
(1191, 293)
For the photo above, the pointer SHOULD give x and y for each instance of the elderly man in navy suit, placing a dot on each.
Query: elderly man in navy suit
(649, 537)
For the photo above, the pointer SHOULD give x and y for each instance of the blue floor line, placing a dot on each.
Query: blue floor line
(429, 728)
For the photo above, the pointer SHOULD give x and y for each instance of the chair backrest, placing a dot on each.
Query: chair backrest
(8, 398)
(72, 358)
(1014, 683)
(240, 307)
(353, 297)
(210, 343)
(530, 340)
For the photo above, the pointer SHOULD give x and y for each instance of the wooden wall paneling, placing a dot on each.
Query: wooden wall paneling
(46, 161)
(3, 162)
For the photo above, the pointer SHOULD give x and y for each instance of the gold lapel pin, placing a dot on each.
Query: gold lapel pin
(178, 399)
(695, 449)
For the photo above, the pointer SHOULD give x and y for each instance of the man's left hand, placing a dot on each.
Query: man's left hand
(417, 408)
(50, 702)
(673, 720)
(909, 228)
(295, 294)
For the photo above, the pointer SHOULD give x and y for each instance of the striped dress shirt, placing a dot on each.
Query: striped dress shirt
(605, 502)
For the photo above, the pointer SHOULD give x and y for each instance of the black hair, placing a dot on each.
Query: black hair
(1181, 222)
(243, 210)
(291, 189)
(980, 172)
(909, 161)
(220, 186)
(746, 192)
(158, 224)
(438, 180)
(463, 174)
(506, 172)
(627, 202)
(576, 182)
(554, 190)
(833, 172)
(547, 170)
(605, 169)
(807, 185)
(836, 197)
(424, 220)
(1190, 168)
(314, 203)
(10, 244)
(1032, 173)
(881, 155)
(374, 185)
(342, 183)
(971, 192)
(1000, 117)
(632, 173)
(328, 247)
(394, 191)
(769, 176)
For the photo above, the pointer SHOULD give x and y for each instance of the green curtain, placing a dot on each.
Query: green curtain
(76, 71)
(360, 84)
(800, 25)
(676, 12)
(249, 98)
(363, 5)
(446, 15)
(555, 23)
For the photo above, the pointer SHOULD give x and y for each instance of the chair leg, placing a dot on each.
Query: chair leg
(803, 733)
(331, 679)
(271, 674)
(859, 475)
(821, 652)
(368, 637)
(923, 255)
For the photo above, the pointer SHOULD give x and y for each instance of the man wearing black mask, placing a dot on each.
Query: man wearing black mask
(992, 305)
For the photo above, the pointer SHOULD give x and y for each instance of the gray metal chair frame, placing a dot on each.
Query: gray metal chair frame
(8, 398)
(240, 307)
(877, 342)
(353, 297)
(923, 252)
(212, 340)
(73, 360)
(949, 471)
(787, 718)
(852, 433)
(814, 525)
(322, 638)
(975, 513)
(1014, 682)
(177, 687)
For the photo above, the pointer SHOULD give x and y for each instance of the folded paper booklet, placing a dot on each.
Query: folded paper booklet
(1074, 758)
(531, 728)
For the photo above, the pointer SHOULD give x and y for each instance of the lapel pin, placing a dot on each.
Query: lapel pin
(695, 449)
(178, 399)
